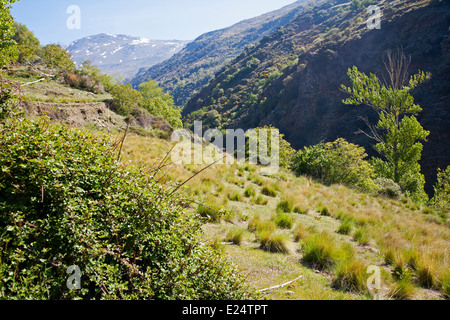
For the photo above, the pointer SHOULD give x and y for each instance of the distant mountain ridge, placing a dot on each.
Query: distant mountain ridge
(123, 54)
(187, 71)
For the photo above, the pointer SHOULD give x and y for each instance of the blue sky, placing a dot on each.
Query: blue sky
(154, 19)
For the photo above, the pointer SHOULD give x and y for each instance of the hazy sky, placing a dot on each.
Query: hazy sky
(154, 19)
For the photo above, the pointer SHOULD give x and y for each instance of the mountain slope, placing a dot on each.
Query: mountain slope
(187, 71)
(122, 54)
(292, 78)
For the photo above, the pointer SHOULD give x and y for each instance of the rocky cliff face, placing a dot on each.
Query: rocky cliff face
(292, 78)
(186, 72)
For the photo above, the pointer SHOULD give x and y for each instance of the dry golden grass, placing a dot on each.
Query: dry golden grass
(411, 242)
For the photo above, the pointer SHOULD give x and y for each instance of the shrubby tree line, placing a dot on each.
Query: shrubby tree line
(66, 200)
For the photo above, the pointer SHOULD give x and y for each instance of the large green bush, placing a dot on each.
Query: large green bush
(65, 200)
(336, 162)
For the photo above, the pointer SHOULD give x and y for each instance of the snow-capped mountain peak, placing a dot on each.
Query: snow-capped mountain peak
(123, 54)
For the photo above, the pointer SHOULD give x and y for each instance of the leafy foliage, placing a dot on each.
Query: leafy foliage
(8, 48)
(285, 151)
(388, 188)
(335, 162)
(65, 200)
(159, 103)
(28, 45)
(58, 58)
(441, 198)
(396, 133)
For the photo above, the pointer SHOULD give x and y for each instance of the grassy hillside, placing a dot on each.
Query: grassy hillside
(277, 229)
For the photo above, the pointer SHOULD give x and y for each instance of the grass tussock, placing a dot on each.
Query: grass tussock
(284, 220)
(323, 210)
(259, 200)
(319, 251)
(249, 192)
(402, 290)
(269, 190)
(346, 227)
(235, 196)
(285, 205)
(361, 236)
(300, 232)
(351, 276)
(273, 241)
(235, 235)
(256, 224)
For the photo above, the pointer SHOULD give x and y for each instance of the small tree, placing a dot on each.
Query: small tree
(159, 103)
(58, 58)
(125, 98)
(27, 43)
(397, 132)
(8, 47)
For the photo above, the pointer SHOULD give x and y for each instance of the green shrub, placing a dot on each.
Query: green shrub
(65, 200)
(441, 199)
(283, 148)
(58, 58)
(335, 162)
(388, 188)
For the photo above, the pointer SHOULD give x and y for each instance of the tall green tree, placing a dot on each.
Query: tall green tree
(398, 132)
(8, 47)
(28, 45)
